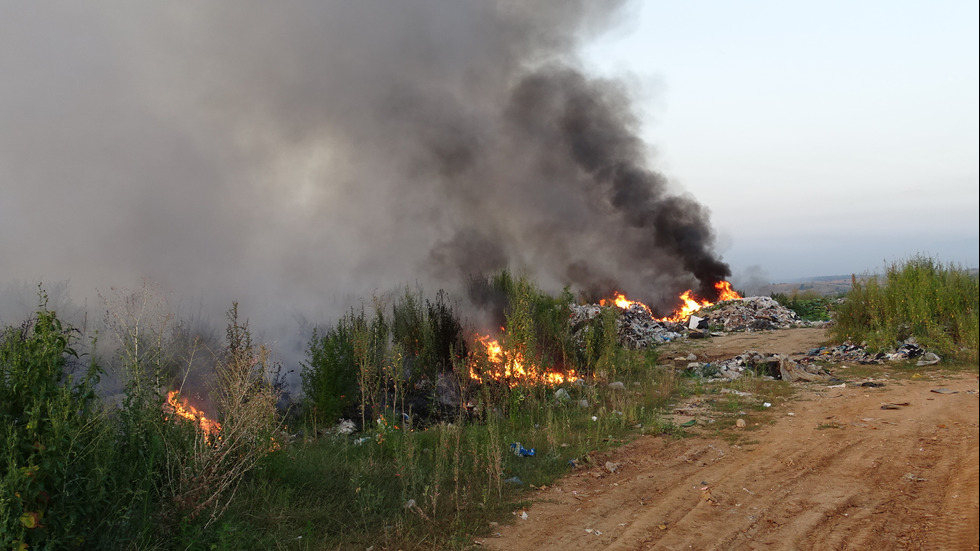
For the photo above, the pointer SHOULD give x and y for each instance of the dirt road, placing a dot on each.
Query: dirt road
(835, 471)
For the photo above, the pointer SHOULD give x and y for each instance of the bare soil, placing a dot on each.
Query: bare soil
(832, 470)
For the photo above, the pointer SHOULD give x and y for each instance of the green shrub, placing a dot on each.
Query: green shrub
(53, 432)
(919, 298)
(808, 305)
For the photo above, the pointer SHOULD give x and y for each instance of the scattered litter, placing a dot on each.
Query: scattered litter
(872, 384)
(690, 423)
(345, 426)
(897, 405)
(740, 423)
(611, 467)
(944, 391)
(842, 385)
(766, 405)
(521, 451)
(514, 480)
(523, 515)
(913, 478)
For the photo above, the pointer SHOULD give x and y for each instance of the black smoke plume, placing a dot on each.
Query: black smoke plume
(292, 155)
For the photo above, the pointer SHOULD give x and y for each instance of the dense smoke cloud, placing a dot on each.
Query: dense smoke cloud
(292, 155)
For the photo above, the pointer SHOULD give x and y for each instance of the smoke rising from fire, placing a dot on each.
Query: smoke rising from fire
(291, 155)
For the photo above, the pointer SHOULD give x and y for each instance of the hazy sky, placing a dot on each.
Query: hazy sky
(293, 155)
(825, 137)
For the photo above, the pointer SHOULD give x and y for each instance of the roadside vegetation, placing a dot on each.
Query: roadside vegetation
(444, 430)
(921, 299)
(809, 305)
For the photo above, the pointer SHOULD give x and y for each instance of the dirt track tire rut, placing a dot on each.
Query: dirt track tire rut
(841, 473)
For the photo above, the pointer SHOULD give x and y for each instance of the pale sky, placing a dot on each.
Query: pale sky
(825, 137)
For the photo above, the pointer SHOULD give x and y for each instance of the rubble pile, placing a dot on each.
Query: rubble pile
(850, 352)
(751, 313)
(778, 366)
(636, 326)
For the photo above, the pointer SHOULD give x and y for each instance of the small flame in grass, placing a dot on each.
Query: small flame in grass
(183, 409)
(512, 368)
(689, 302)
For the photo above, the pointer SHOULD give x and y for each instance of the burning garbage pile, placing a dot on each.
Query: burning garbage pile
(638, 327)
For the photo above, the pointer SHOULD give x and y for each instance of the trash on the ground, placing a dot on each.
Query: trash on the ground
(872, 384)
(766, 405)
(896, 405)
(928, 358)
(790, 370)
(944, 391)
(583, 403)
(617, 385)
(611, 467)
(514, 480)
(345, 426)
(409, 504)
(520, 450)
(562, 395)
(690, 423)
(740, 423)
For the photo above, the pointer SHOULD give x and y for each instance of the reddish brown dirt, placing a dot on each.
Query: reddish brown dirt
(834, 471)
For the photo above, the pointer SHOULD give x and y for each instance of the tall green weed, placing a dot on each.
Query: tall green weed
(919, 298)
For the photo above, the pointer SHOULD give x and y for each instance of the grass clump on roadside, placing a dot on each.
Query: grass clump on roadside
(920, 298)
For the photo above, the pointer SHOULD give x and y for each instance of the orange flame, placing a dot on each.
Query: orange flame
(689, 302)
(513, 369)
(180, 407)
(622, 302)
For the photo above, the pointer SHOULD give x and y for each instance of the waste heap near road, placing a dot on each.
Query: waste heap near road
(638, 328)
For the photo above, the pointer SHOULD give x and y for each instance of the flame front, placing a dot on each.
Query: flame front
(180, 407)
(689, 302)
(512, 368)
(621, 301)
